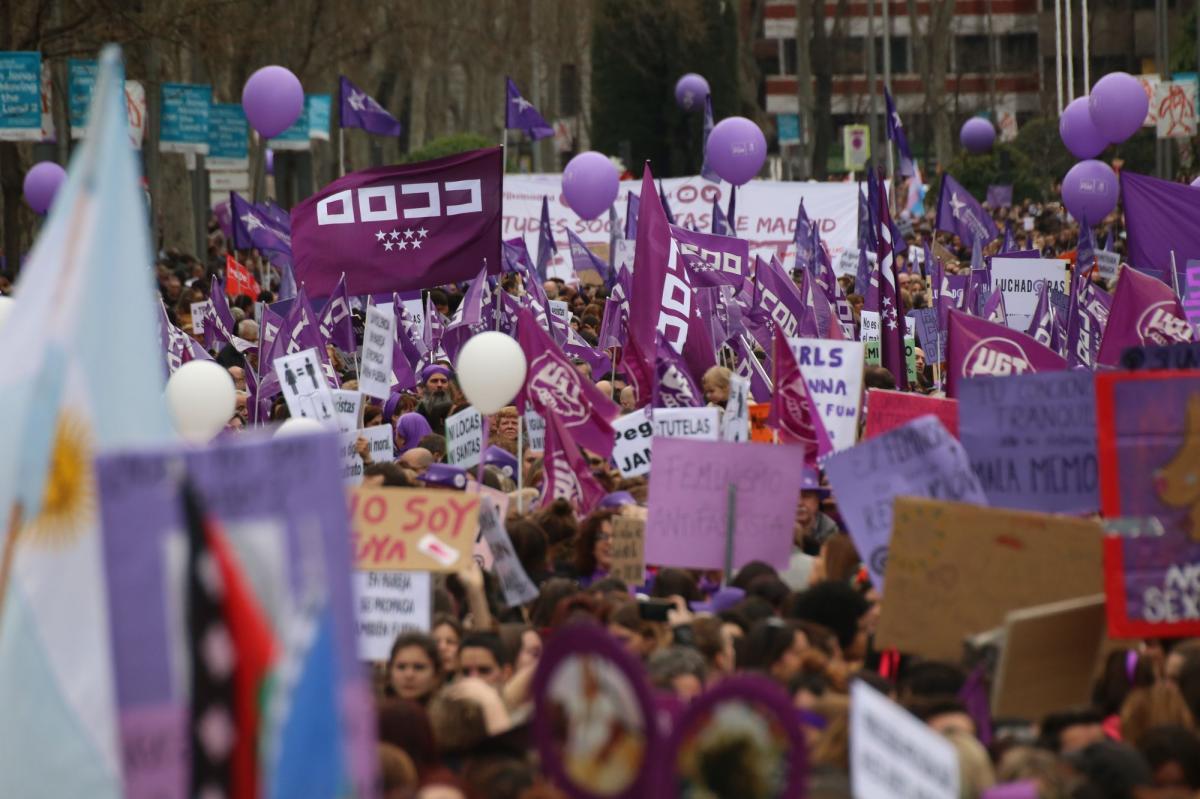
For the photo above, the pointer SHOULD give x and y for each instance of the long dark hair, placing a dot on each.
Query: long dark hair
(585, 542)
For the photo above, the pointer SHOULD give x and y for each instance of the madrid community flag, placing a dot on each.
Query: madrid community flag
(359, 110)
(520, 114)
(961, 214)
(398, 228)
(77, 380)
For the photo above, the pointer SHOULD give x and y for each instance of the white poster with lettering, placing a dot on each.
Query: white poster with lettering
(895, 756)
(464, 438)
(387, 604)
(375, 374)
(1021, 281)
(833, 371)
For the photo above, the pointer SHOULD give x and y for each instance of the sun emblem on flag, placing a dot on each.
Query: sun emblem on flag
(69, 496)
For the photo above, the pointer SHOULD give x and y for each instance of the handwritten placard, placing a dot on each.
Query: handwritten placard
(833, 371)
(893, 754)
(375, 378)
(387, 604)
(627, 550)
(412, 529)
(887, 410)
(1153, 585)
(514, 582)
(464, 438)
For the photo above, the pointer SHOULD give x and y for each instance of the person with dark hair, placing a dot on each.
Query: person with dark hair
(414, 668)
(483, 655)
(436, 445)
(1174, 757)
(840, 608)
(775, 648)
(531, 547)
(678, 670)
(675, 582)
(930, 678)
(405, 724)
(1071, 730)
(878, 377)
(593, 547)
(386, 474)
(447, 633)
(750, 571)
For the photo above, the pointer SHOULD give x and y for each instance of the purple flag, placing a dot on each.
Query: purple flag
(673, 385)
(554, 387)
(978, 348)
(750, 368)
(661, 300)
(895, 133)
(359, 110)
(777, 301)
(521, 115)
(891, 312)
(281, 218)
(961, 214)
(268, 331)
(1145, 312)
(255, 229)
(395, 228)
(1010, 241)
(994, 310)
(713, 259)
(706, 171)
(639, 371)
(475, 312)
(720, 225)
(793, 412)
(434, 326)
(612, 326)
(546, 245)
(1085, 249)
(974, 696)
(662, 198)
(999, 195)
(1042, 324)
(585, 260)
(336, 325)
(223, 211)
(222, 326)
(566, 472)
(1161, 218)
(804, 239)
(632, 202)
(1083, 329)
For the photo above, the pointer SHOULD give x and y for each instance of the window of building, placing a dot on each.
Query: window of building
(899, 45)
(971, 54)
(1019, 52)
(851, 57)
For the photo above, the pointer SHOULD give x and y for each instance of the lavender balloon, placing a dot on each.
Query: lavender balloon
(1118, 105)
(1089, 191)
(1196, 183)
(1078, 132)
(41, 184)
(736, 149)
(690, 91)
(273, 100)
(590, 184)
(977, 135)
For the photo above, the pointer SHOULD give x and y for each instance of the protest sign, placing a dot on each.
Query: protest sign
(633, 433)
(379, 438)
(348, 406)
(560, 310)
(535, 431)
(280, 506)
(412, 529)
(833, 371)
(1191, 294)
(1174, 104)
(1152, 582)
(759, 430)
(1048, 658)
(1108, 263)
(200, 312)
(871, 353)
(183, 124)
(514, 582)
(1021, 281)
(1032, 440)
(700, 424)
(375, 378)
(627, 550)
(910, 359)
(689, 503)
(305, 389)
(482, 552)
(1180, 356)
(893, 755)
(20, 96)
(387, 604)
(1149, 443)
(464, 438)
(955, 570)
(735, 421)
(887, 410)
(919, 458)
(868, 325)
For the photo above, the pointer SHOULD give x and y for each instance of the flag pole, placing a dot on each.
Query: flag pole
(520, 462)
(341, 152)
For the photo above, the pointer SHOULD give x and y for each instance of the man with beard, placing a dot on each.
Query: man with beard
(436, 400)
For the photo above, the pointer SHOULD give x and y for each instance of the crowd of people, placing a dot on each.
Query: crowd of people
(454, 702)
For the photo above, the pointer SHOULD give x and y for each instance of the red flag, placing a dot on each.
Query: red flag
(793, 412)
(238, 280)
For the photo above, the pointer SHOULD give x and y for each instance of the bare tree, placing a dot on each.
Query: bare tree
(932, 49)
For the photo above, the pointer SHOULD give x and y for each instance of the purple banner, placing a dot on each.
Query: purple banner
(977, 348)
(713, 260)
(396, 228)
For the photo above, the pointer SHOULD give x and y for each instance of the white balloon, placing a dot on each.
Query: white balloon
(6, 307)
(491, 370)
(298, 426)
(202, 399)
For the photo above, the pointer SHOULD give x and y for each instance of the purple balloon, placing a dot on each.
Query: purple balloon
(1077, 131)
(1196, 183)
(977, 135)
(273, 99)
(1118, 105)
(690, 91)
(270, 161)
(1090, 191)
(41, 184)
(736, 149)
(589, 184)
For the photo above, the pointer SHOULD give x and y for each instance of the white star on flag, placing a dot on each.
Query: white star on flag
(379, 235)
(395, 234)
(521, 103)
(356, 100)
(422, 232)
(403, 244)
(416, 243)
(408, 234)
(387, 245)
(251, 222)
(956, 205)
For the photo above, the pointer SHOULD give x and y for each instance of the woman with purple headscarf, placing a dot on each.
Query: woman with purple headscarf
(410, 429)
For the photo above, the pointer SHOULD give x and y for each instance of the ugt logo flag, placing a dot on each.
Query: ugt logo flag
(398, 228)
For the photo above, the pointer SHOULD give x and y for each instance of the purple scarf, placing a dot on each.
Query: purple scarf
(412, 427)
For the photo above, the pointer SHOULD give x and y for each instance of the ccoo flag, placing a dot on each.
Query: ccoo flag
(395, 228)
(359, 110)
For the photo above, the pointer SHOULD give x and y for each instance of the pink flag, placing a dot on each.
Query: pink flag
(792, 409)
(1145, 312)
(554, 387)
(978, 348)
(566, 473)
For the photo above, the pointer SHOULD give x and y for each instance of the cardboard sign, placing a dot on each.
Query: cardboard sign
(1048, 658)
(689, 502)
(735, 421)
(380, 440)
(919, 458)
(514, 582)
(464, 438)
(1152, 582)
(348, 405)
(833, 371)
(887, 410)
(759, 431)
(1032, 440)
(955, 570)
(375, 372)
(893, 754)
(387, 604)
(1021, 281)
(412, 529)
(627, 550)
(305, 389)
(535, 431)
